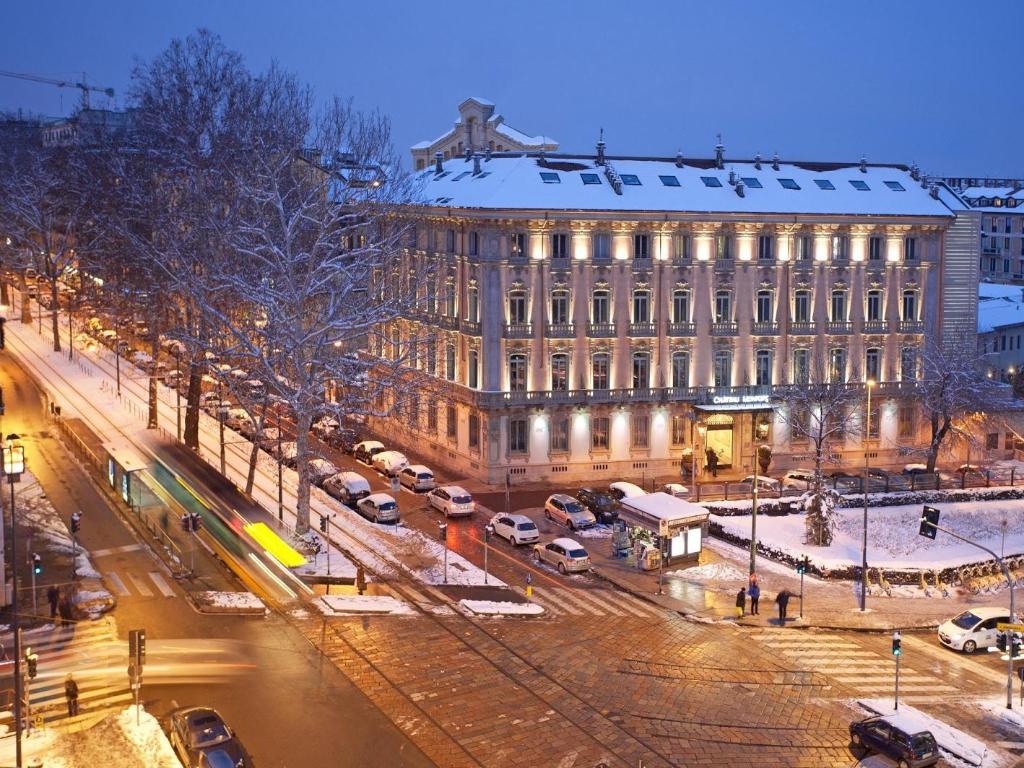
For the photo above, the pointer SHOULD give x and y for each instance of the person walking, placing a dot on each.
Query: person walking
(782, 600)
(53, 597)
(71, 694)
(755, 595)
(741, 602)
(712, 458)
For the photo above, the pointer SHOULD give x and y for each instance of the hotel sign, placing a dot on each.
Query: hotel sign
(742, 399)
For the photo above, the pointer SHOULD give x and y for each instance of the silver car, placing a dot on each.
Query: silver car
(568, 511)
(565, 554)
(380, 508)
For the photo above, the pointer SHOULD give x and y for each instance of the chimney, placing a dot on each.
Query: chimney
(915, 172)
(487, 155)
(775, 161)
(933, 190)
(469, 153)
(741, 188)
(476, 164)
(757, 161)
(438, 165)
(732, 177)
(679, 159)
(719, 154)
(600, 147)
(863, 164)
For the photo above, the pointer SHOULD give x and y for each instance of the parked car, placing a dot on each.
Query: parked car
(603, 506)
(973, 629)
(343, 439)
(623, 490)
(565, 554)
(844, 481)
(200, 737)
(453, 500)
(347, 487)
(324, 426)
(364, 451)
(897, 737)
(389, 463)
(568, 511)
(678, 490)
(320, 470)
(798, 480)
(765, 485)
(268, 439)
(288, 453)
(211, 403)
(238, 419)
(883, 480)
(416, 477)
(379, 507)
(516, 529)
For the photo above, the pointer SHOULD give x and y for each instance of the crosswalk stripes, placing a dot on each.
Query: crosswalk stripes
(146, 584)
(866, 672)
(560, 601)
(91, 651)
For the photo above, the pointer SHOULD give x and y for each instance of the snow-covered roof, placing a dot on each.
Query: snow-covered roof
(576, 182)
(518, 136)
(976, 192)
(988, 290)
(663, 506)
(1000, 311)
(1012, 199)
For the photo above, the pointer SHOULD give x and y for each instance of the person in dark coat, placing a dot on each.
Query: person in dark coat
(71, 694)
(741, 602)
(782, 600)
(755, 595)
(53, 597)
(712, 458)
(64, 609)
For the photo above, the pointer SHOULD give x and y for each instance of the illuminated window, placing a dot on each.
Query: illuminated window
(517, 373)
(873, 363)
(599, 371)
(680, 369)
(801, 366)
(560, 306)
(560, 435)
(837, 366)
(517, 245)
(560, 372)
(599, 433)
(763, 368)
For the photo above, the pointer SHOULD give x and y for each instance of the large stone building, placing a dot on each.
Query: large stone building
(585, 312)
(479, 129)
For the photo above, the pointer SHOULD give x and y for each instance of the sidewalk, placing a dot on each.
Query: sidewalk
(707, 593)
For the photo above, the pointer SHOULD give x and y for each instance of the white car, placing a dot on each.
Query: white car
(973, 629)
(365, 450)
(676, 489)
(516, 529)
(453, 500)
(379, 507)
(320, 470)
(798, 479)
(567, 555)
(389, 463)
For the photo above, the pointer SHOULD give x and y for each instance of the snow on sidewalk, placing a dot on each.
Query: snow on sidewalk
(949, 739)
(334, 605)
(500, 608)
(228, 602)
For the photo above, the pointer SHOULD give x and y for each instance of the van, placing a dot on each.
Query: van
(348, 487)
(417, 477)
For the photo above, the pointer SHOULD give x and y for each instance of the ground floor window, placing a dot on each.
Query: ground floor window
(906, 417)
(680, 426)
(517, 436)
(474, 430)
(560, 435)
(452, 422)
(641, 432)
(432, 417)
(992, 441)
(599, 433)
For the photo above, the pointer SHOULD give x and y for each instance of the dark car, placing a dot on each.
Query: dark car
(343, 439)
(604, 506)
(884, 734)
(202, 739)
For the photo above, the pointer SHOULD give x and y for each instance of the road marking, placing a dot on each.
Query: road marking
(161, 584)
(555, 598)
(408, 592)
(436, 594)
(632, 604)
(582, 597)
(916, 644)
(115, 550)
(116, 583)
(140, 585)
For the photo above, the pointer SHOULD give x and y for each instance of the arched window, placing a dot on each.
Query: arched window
(449, 362)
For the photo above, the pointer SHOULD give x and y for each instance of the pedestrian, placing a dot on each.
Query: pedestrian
(712, 458)
(782, 600)
(753, 578)
(741, 602)
(52, 597)
(755, 595)
(63, 610)
(71, 694)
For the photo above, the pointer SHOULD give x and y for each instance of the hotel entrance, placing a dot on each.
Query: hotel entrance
(719, 438)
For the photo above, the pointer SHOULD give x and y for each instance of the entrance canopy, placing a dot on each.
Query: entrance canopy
(661, 513)
(737, 404)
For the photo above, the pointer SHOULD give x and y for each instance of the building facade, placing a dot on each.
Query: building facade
(596, 317)
(1001, 205)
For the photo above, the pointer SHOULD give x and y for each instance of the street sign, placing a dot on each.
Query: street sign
(1002, 627)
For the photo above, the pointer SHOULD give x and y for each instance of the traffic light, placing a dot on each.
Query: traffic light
(1015, 644)
(896, 642)
(137, 647)
(37, 564)
(442, 532)
(1001, 642)
(323, 523)
(929, 519)
(32, 661)
(803, 564)
(2, 334)
(76, 522)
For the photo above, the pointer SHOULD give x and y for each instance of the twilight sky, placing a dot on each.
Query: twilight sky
(930, 81)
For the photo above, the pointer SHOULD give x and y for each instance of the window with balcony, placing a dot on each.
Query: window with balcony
(517, 245)
(680, 369)
(763, 368)
(517, 436)
(559, 306)
(599, 433)
(873, 364)
(641, 306)
(559, 435)
(837, 366)
(908, 364)
(680, 305)
(910, 249)
(599, 365)
(517, 306)
(559, 246)
(641, 246)
(450, 296)
(431, 357)
(723, 246)
(517, 373)
(874, 308)
(840, 247)
(875, 247)
(473, 304)
(682, 247)
(641, 370)
(641, 430)
(909, 305)
(560, 372)
(602, 243)
(838, 306)
(766, 248)
(432, 417)
(764, 306)
(802, 305)
(599, 305)
(474, 244)
(804, 248)
(449, 362)
(723, 307)
(473, 372)
(723, 368)
(801, 366)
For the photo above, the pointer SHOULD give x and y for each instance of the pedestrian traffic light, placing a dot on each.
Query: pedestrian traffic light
(137, 647)
(442, 532)
(896, 642)
(803, 564)
(323, 523)
(37, 564)
(3, 336)
(32, 661)
(929, 521)
(76, 522)
(1001, 642)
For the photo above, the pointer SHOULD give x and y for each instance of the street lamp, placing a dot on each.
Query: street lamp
(702, 430)
(177, 385)
(14, 465)
(869, 385)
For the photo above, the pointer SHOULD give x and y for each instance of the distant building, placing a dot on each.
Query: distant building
(88, 126)
(1001, 329)
(1001, 204)
(478, 129)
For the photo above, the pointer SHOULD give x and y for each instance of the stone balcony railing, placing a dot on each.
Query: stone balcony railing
(560, 330)
(803, 328)
(680, 329)
(642, 329)
(840, 327)
(601, 330)
(911, 326)
(876, 326)
(470, 326)
(518, 330)
(764, 328)
(723, 329)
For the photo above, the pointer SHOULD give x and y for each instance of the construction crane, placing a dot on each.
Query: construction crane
(85, 87)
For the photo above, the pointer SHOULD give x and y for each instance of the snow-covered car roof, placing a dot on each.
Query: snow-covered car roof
(455, 490)
(568, 543)
(419, 468)
(379, 498)
(390, 456)
(347, 476)
(368, 444)
(629, 490)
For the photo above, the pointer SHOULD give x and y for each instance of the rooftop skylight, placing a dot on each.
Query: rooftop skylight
(789, 184)
(630, 179)
(711, 181)
(824, 184)
(669, 181)
(860, 186)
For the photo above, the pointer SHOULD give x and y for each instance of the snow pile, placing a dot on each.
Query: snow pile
(229, 602)
(149, 741)
(1010, 720)
(500, 608)
(362, 604)
(949, 739)
(710, 572)
(339, 567)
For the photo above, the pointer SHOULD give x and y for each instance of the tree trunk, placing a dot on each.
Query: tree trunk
(195, 383)
(303, 420)
(54, 314)
(258, 427)
(26, 305)
(938, 435)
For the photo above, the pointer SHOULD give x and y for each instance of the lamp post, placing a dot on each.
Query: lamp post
(702, 429)
(869, 384)
(14, 465)
(177, 387)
